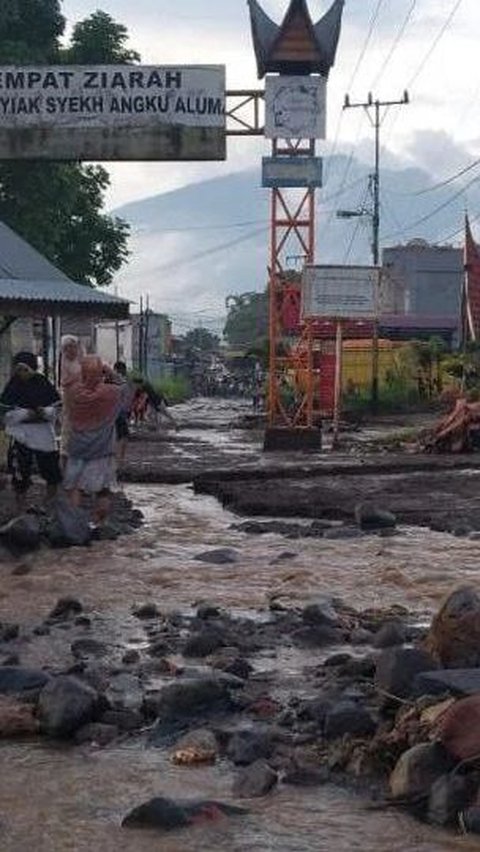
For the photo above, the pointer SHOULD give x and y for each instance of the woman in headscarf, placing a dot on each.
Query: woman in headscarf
(30, 404)
(93, 407)
(71, 354)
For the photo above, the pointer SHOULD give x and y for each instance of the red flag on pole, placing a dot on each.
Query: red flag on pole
(472, 285)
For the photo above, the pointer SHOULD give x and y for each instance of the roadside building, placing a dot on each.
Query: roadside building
(426, 279)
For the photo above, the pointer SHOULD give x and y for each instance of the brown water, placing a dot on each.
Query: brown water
(61, 800)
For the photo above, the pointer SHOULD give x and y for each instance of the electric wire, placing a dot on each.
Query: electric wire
(395, 44)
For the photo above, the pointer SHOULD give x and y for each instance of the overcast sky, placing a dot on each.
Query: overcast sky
(438, 130)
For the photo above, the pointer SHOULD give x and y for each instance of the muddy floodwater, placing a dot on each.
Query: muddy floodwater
(73, 799)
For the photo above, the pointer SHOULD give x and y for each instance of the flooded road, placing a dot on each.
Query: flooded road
(73, 800)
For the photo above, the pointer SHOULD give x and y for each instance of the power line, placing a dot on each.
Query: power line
(435, 43)
(449, 180)
(395, 44)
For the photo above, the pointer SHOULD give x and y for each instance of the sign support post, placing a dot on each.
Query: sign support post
(338, 384)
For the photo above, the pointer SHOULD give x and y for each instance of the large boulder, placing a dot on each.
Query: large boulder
(397, 669)
(454, 636)
(450, 794)
(255, 781)
(65, 608)
(459, 682)
(417, 770)
(347, 717)
(320, 613)
(166, 815)
(204, 643)
(459, 728)
(222, 556)
(16, 679)
(22, 534)
(247, 746)
(369, 517)
(65, 705)
(17, 718)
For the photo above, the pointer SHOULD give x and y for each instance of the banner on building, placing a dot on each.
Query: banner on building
(295, 107)
(340, 292)
(112, 112)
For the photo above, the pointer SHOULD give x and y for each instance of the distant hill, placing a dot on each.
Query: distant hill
(193, 247)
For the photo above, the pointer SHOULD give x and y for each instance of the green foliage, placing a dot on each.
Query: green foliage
(58, 207)
(101, 40)
(175, 389)
(247, 320)
(395, 398)
(29, 30)
(202, 339)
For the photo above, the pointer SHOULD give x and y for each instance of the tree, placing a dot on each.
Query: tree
(101, 40)
(247, 320)
(58, 207)
(202, 339)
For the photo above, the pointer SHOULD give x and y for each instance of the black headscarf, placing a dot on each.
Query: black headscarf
(36, 392)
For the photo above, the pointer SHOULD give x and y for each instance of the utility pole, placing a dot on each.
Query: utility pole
(376, 120)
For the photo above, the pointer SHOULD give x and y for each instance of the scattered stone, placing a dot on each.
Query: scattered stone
(460, 682)
(160, 648)
(146, 612)
(9, 632)
(206, 611)
(238, 667)
(125, 721)
(245, 747)
(369, 517)
(222, 556)
(320, 614)
(65, 608)
(203, 644)
(337, 660)
(22, 569)
(342, 533)
(317, 637)
(306, 776)
(360, 636)
(470, 820)
(449, 795)
(96, 733)
(131, 657)
(286, 556)
(347, 717)
(22, 534)
(167, 815)
(193, 696)
(83, 621)
(459, 728)
(65, 704)
(392, 633)
(417, 769)
(255, 781)
(454, 637)
(397, 669)
(265, 708)
(16, 718)
(15, 680)
(201, 739)
(84, 648)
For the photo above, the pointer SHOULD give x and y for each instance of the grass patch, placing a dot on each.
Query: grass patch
(176, 389)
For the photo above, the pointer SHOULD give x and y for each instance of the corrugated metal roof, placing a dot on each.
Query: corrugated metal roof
(29, 283)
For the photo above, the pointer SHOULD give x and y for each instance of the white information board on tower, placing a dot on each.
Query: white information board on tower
(340, 292)
(295, 107)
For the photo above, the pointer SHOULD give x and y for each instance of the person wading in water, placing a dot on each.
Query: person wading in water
(31, 404)
(93, 406)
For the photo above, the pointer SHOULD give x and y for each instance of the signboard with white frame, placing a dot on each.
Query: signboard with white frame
(295, 107)
(112, 112)
(285, 172)
(340, 292)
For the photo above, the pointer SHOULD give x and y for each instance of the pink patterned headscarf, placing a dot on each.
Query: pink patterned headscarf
(91, 402)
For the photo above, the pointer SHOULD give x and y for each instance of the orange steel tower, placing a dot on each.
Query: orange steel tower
(301, 53)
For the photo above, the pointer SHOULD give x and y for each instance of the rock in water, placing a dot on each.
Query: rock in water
(370, 518)
(203, 644)
(396, 671)
(454, 637)
(22, 535)
(167, 815)
(255, 781)
(320, 613)
(222, 556)
(461, 682)
(65, 705)
(16, 718)
(459, 728)
(449, 795)
(15, 679)
(347, 717)
(245, 747)
(65, 608)
(417, 769)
